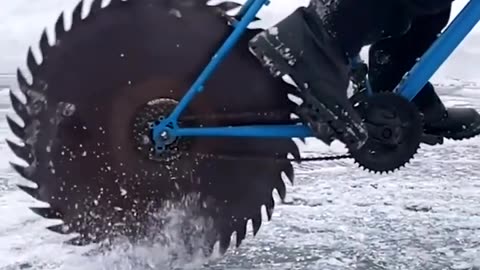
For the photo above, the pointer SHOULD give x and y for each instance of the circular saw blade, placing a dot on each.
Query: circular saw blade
(83, 100)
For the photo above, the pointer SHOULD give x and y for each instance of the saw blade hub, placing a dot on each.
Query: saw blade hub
(165, 139)
(149, 117)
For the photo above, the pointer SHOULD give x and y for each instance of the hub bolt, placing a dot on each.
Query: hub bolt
(164, 135)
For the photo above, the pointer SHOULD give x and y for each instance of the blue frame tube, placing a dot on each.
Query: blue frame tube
(257, 131)
(217, 59)
(429, 63)
(410, 86)
(197, 87)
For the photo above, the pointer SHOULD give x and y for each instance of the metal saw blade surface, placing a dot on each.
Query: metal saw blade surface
(85, 95)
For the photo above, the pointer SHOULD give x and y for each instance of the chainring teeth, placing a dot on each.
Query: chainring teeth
(405, 112)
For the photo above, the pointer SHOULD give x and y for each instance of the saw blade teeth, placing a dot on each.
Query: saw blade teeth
(16, 128)
(22, 82)
(77, 13)
(280, 187)
(225, 242)
(47, 212)
(269, 206)
(60, 26)
(60, 228)
(22, 152)
(295, 152)
(44, 43)
(241, 233)
(32, 62)
(77, 241)
(256, 223)
(115, 2)
(227, 6)
(25, 172)
(95, 7)
(289, 173)
(33, 192)
(19, 108)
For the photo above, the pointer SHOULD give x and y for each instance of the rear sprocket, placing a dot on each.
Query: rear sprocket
(87, 112)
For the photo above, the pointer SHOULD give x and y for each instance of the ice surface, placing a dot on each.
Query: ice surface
(427, 216)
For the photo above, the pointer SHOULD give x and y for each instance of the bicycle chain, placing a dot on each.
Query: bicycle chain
(274, 159)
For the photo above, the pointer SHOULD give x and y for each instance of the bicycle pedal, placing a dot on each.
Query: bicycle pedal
(322, 129)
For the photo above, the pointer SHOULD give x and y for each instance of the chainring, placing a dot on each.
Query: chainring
(86, 156)
(395, 130)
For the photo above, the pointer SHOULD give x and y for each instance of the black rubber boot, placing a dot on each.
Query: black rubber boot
(450, 123)
(457, 124)
(391, 58)
(320, 70)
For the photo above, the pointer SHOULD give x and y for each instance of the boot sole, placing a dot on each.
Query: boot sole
(460, 136)
(326, 124)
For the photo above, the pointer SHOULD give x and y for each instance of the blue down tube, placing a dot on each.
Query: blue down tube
(258, 131)
(253, 7)
(421, 73)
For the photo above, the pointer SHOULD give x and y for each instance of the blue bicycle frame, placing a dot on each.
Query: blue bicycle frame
(409, 87)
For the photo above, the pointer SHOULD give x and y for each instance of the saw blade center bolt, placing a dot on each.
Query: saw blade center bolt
(387, 133)
(165, 136)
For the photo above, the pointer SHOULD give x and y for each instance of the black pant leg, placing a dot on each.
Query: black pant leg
(423, 7)
(391, 58)
(354, 23)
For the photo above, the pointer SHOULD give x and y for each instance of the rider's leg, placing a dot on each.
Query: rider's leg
(391, 58)
(313, 46)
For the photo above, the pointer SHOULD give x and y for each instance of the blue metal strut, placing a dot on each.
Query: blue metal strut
(443, 47)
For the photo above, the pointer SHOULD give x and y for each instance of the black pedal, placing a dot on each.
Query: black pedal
(309, 117)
